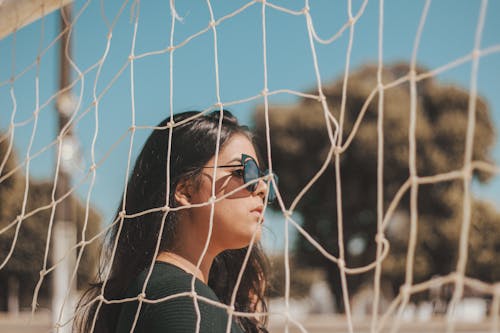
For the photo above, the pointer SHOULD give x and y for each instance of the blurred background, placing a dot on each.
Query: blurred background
(98, 66)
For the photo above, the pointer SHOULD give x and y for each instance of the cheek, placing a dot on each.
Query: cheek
(234, 223)
(230, 211)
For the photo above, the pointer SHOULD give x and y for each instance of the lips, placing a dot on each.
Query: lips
(258, 213)
(259, 209)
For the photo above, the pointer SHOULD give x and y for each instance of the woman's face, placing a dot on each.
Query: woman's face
(236, 218)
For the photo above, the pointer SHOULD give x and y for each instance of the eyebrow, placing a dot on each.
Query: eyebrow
(236, 159)
(228, 164)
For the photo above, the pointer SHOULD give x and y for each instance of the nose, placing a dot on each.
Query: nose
(261, 189)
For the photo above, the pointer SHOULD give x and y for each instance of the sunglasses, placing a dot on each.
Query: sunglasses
(251, 172)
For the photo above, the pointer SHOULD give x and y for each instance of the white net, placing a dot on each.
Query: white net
(134, 63)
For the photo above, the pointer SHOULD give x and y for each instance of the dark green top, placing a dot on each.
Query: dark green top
(176, 315)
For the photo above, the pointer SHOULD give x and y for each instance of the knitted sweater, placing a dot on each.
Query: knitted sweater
(177, 315)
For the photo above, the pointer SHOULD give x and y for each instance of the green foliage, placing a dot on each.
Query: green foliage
(300, 144)
(27, 258)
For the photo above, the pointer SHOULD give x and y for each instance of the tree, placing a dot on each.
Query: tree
(27, 259)
(300, 144)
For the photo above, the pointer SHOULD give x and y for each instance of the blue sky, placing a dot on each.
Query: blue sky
(448, 35)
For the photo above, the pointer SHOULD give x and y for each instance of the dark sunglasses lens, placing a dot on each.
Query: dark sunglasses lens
(250, 173)
(272, 191)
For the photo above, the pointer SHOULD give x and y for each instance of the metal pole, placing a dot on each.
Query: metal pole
(64, 229)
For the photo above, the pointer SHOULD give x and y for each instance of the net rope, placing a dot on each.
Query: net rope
(390, 318)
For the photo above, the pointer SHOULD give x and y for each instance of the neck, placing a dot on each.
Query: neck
(185, 252)
(188, 263)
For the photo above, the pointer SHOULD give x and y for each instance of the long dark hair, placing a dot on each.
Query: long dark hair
(193, 144)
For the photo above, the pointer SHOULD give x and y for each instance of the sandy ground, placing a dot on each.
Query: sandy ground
(312, 324)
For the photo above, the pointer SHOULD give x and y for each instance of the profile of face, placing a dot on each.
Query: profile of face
(237, 217)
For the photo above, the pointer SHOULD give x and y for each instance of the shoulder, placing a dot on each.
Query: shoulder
(175, 310)
(167, 280)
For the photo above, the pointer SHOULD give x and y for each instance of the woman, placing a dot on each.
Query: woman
(236, 221)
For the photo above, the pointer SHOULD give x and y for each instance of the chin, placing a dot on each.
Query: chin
(248, 239)
(257, 236)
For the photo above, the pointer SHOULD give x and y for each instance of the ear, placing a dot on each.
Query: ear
(183, 192)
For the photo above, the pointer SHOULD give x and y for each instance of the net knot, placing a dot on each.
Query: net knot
(141, 296)
(467, 172)
(42, 272)
(459, 279)
(193, 294)
(131, 57)
(264, 92)
(230, 310)
(337, 150)
(211, 200)
(131, 128)
(212, 24)
(306, 9)
(405, 290)
(100, 298)
(219, 105)
(19, 218)
(121, 214)
(269, 177)
(165, 209)
(93, 167)
(352, 20)
(380, 237)
(321, 97)
(475, 54)
(341, 263)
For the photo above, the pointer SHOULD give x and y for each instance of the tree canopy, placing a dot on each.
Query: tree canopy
(27, 259)
(300, 144)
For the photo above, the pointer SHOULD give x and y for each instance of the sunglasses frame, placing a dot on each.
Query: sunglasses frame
(245, 160)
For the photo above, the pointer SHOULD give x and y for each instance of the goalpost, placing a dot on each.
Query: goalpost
(16, 14)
